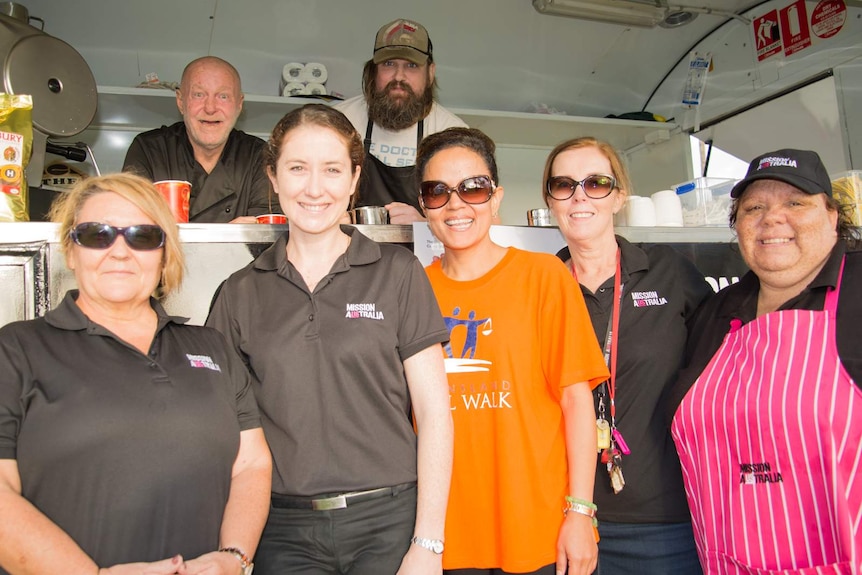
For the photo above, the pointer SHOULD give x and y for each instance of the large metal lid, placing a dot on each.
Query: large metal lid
(58, 78)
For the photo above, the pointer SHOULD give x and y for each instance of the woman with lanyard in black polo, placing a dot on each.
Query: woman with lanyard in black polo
(639, 299)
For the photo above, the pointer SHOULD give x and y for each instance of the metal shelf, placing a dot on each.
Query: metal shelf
(138, 109)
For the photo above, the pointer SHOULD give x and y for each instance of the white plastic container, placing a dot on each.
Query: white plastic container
(705, 201)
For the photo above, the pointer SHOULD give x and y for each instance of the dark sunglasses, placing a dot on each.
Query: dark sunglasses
(475, 190)
(596, 186)
(98, 236)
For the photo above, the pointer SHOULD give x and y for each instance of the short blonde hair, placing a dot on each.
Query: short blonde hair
(145, 197)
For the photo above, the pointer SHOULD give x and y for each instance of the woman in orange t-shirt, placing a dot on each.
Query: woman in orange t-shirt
(521, 362)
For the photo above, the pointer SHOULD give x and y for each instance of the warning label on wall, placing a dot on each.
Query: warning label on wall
(828, 18)
(766, 34)
(795, 32)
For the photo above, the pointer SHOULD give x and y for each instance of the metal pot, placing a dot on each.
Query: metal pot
(20, 12)
(539, 217)
(50, 70)
(371, 215)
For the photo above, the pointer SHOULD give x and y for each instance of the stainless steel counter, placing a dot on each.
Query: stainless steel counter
(34, 277)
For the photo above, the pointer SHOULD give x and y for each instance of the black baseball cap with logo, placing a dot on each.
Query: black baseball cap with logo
(801, 169)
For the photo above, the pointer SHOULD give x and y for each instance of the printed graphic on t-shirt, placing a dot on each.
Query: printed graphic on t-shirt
(395, 155)
(466, 332)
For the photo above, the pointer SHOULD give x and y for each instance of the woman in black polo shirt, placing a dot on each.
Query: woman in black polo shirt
(343, 336)
(639, 299)
(125, 436)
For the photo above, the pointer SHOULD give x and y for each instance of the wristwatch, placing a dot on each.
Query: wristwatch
(244, 561)
(432, 545)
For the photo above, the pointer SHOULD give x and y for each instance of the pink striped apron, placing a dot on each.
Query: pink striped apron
(769, 440)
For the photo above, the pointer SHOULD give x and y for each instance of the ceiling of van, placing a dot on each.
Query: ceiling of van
(490, 54)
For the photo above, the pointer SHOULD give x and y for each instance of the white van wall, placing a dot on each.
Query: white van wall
(491, 54)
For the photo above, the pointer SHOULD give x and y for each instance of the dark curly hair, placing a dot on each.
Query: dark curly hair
(469, 138)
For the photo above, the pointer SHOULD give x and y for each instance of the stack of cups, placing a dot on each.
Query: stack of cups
(298, 79)
(668, 209)
(640, 212)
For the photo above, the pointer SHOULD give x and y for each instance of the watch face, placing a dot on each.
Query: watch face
(437, 547)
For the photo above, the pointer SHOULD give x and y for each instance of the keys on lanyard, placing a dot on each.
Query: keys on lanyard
(612, 458)
(603, 434)
(603, 428)
(611, 445)
(615, 471)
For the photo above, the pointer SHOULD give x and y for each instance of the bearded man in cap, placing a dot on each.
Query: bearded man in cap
(395, 111)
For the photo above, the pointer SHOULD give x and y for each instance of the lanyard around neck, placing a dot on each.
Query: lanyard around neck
(612, 337)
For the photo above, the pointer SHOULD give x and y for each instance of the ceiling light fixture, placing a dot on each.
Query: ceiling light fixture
(612, 11)
(640, 13)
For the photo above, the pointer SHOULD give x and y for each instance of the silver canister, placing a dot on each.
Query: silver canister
(539, 217)
(369, 215)
(15, 10)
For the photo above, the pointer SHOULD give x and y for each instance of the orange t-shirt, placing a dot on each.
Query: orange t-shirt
(518, 335)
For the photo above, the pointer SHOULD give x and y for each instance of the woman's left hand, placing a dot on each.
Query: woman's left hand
(213, 563)
(576, 546)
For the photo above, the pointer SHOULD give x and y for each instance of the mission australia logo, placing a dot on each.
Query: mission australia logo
(759, 473)
(647, 299)
(202, 361)
(776, 162)
(363, 310)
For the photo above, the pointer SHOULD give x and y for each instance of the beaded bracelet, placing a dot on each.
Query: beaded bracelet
(244, 560)
(583, 507)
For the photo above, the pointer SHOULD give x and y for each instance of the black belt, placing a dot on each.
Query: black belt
(340, 501)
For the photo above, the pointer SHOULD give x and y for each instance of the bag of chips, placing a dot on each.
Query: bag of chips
(16, 145)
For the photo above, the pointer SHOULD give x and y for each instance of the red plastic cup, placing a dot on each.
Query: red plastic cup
(271, 219)
(176, 192)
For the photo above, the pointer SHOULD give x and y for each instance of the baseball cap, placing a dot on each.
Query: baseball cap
(402, 39)
(802, 169)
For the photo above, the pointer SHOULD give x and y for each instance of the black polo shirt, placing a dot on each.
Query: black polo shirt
(129, 453)
(327, 366)
(661, 291)
(237, 186)
(739, 301)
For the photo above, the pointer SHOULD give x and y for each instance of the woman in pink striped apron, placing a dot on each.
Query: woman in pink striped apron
(770, 431)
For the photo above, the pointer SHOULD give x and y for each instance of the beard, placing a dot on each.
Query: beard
(396, 114)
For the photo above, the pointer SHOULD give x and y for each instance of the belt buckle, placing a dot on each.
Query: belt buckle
(330, 503)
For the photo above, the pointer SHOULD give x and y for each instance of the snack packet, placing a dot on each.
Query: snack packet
(16, 145)
(847, 191)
